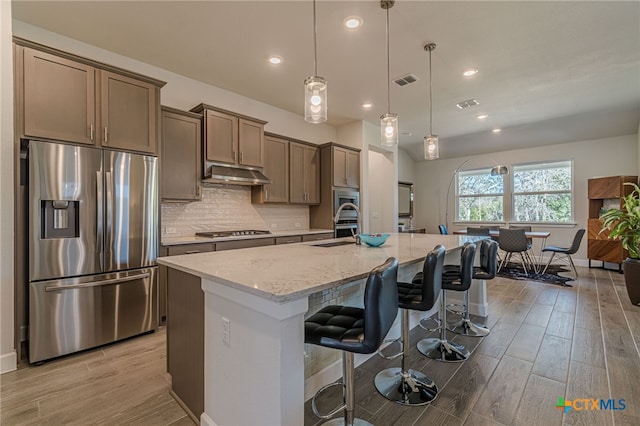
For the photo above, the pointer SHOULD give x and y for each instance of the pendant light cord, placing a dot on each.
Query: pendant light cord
(388, 67)
(315, 36)
(430, 99)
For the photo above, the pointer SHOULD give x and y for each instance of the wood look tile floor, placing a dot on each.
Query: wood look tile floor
(546, 341)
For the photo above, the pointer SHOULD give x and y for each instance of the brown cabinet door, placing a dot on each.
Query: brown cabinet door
(297, 192)
(312, 174)
(240, 244)
(289, 240)
(276, 168)
(180, 163)
(221, 138)
(250, 143)
(340, 167)
(129, 111)
(59, 98)
(353, 169)
(317, 237)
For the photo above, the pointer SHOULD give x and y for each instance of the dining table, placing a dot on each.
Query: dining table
(542, 235)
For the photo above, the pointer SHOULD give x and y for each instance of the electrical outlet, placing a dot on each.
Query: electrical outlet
(171, 230)
(297, 225)
(274, 225)
(226, 331)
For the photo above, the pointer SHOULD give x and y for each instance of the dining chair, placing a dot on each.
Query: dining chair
(478, 231)
(515, 241)
(567, 251)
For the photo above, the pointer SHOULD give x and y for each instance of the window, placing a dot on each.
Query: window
(480, 196)
(542, 192)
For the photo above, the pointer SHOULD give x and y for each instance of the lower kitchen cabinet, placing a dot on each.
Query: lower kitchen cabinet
(240, 244)
(289, 240)
(185, 339)
(317, 237)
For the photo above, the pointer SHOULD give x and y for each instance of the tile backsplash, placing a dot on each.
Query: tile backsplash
(226, 207)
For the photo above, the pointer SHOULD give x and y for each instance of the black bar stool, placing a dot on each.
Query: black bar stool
(458, 278)
(402, 385)
(486, 271)
(355, 330)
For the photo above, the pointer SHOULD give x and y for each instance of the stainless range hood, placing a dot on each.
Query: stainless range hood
(232, 175)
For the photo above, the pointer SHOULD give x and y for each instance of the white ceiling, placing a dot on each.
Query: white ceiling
(550, 71)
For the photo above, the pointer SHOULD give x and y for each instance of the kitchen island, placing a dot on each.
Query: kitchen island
(255, 301)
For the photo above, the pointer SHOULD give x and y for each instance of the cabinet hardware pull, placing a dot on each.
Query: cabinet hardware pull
(233, 153)
(241, 156)
(191, 251)
(198, 190)
(266, 194)
(91, 131)
(105, 133)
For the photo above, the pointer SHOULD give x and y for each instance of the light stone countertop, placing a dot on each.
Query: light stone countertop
(173, 241)
(288, 272)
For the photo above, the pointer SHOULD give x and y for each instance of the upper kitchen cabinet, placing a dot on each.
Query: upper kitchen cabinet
(64, 97)
(58, 97)
(232, 138)
(129, 113)
(276, 168)
(180, 161)
(346, 167)
(304, 174)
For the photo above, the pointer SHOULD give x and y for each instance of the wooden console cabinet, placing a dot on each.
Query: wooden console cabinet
(605, 192)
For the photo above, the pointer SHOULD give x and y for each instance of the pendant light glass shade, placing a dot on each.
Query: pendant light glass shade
(389, 129)
(431, 150)
(315, 99)
(389, 121)
(315, 88)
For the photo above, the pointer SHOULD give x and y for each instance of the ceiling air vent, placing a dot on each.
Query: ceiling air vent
(406, 79)
(467, 104)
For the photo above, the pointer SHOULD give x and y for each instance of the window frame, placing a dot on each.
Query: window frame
(457, 196)
(512, 193)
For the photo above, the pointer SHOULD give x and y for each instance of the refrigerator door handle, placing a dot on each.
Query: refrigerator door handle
(99, 216)
(109, 202)
(98, 283)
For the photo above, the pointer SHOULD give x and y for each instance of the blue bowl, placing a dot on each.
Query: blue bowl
(374, 240)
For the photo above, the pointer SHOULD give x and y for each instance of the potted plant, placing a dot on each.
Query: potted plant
(624, 224)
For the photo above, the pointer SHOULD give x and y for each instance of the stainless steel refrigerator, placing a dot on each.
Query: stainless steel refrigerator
(93, 244)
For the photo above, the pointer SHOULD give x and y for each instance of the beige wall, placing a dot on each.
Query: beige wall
(7, 350)
(406, 167)
(592, 158)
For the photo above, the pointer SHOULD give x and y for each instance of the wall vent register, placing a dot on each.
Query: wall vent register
(219, 234)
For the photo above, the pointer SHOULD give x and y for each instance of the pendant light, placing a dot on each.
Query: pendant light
(388, 121)
(315, 87)
(431, 150)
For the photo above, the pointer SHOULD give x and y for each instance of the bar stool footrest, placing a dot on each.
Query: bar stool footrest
(335, 410)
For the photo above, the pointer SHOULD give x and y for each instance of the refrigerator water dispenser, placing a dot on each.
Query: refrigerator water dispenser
(59, 219)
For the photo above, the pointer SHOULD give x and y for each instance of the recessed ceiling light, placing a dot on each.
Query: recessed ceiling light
(469, 72)
(367, 106)
(275, 59)
(352, 22)
(482, 116)
(496, 130)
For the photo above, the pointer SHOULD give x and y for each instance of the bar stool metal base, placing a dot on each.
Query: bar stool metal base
(466, 327)
(442, 350)
(407, 388)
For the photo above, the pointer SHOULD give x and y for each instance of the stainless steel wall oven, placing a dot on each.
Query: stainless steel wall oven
(347, 223)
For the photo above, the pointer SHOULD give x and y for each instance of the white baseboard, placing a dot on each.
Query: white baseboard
(8, 362)
(206, 420)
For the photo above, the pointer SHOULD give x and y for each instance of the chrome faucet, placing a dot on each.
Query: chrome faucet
(359, 224)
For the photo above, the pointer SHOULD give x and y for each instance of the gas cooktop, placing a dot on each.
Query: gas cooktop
(217, 234)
